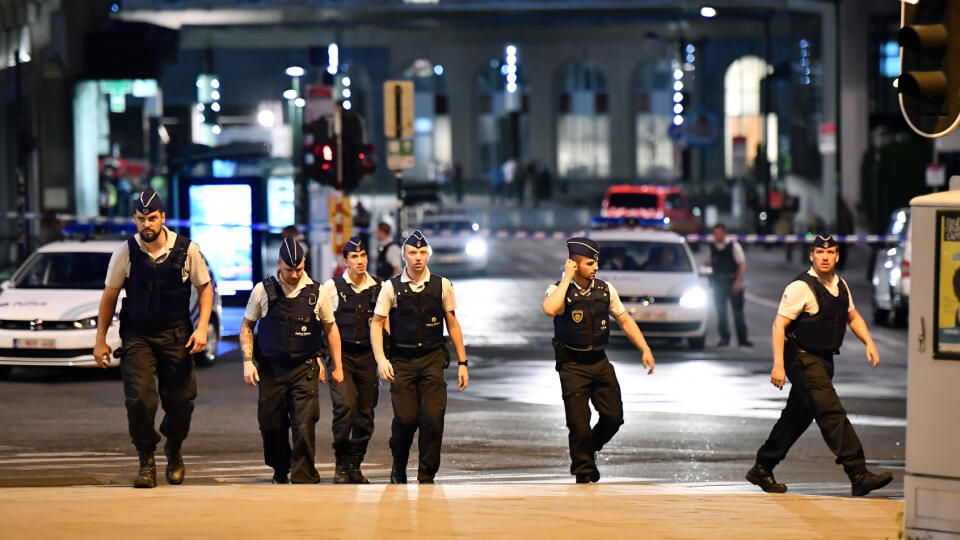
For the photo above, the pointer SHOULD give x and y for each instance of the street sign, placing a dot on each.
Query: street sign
(341, 222)
(936, 175)
(400, 154)
(319, 102)
(397, 109)
(827, 138)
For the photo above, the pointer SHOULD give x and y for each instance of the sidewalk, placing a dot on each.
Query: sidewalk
(515, 510)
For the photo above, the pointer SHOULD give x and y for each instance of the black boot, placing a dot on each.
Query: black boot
(280, 477)
(399, 473)
(356, 477)
(763, 477)
(147, 477)
(341, 475)
(865, 481)
(175, 468)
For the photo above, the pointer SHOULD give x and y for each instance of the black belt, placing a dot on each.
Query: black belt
(826, 354)
(566, 354)
(409, 353)
(285, 361)
(355, 349)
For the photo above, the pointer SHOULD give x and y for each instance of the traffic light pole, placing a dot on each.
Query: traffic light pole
(398, 122)
(338, 133)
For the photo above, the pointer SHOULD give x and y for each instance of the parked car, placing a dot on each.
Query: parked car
(48, 308)
(456, 245)
(658, 281)
(891, 273)
(656, 206)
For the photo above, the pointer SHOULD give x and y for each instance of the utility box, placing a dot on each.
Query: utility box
(932, 479)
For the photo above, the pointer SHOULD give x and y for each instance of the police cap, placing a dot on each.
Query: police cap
(580, 245)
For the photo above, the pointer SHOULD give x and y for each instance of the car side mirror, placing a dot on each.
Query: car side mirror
(705, 270)
(6, 284)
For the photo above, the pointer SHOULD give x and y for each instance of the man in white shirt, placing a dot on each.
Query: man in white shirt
(808, 331)
(284, 362)
(418, 304)
(157, 268)
(728, 265)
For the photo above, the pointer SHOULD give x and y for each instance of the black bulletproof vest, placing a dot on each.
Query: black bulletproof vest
(724, 265)
(355, 310)
(290, 331)
(158, 298)
(384, 268)
(417, 321)
(823, 331)
(585, 321)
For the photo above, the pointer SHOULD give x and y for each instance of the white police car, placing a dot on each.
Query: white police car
(658, 281)
(456, 245)
(48, 309)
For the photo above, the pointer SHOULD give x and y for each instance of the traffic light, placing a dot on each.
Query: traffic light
(930, 66)
(357, 162)
(320, 152)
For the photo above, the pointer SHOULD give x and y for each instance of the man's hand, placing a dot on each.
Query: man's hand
(321, 371)
(337, 376)
(250, 374)
(198, 339)
(648, 360)
(101, 354)
(778, 377)
(385, 369)
(569, 269)
(872, 354)
(463, 378)
(736, 287)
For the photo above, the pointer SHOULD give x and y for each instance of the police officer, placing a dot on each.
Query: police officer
(807, 333)
(294, 315)
(418, 303)
(157, 268)
(353, 296)
(581, 330)
(728, 265)
(390, 255)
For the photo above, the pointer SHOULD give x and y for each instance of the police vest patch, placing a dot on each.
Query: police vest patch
(576, 315)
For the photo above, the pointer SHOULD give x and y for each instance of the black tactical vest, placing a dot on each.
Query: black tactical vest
(824, 331)
(157, 298)
(722, 261)
(384, 268)
(290, 331)
(585, 321)
(417, 321)
(355, 311)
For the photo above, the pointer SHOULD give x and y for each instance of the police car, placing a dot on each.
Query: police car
(658, 281)
(456, 244)
(48, 308)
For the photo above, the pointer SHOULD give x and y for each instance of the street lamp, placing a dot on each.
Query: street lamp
(295, 105)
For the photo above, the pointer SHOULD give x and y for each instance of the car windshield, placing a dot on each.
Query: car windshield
(63, 270)
(644, 257)
(449, 225)
(632, 200)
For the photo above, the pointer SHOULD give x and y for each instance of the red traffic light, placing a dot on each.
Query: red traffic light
(327, 152)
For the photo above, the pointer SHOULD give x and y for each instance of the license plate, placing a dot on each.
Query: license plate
(652, 315)
(34, 344)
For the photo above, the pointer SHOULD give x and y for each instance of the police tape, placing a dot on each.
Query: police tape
(501, 234)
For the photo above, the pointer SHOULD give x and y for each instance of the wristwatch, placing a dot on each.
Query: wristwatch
(462, 363)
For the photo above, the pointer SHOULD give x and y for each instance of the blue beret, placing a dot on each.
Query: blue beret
(580, 245)
(416, 240)
(824, 240)
(353, 244)
(291, 252)
(149, 202)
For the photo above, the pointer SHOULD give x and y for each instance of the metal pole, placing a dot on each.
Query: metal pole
(23, 144)
(338, 131)
(398, 122)
(301, 208)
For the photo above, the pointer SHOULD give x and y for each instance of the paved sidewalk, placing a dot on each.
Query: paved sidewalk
(511, 510)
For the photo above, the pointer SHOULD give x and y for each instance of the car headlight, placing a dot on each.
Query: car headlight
(694, 298)
(85, 324)
(477, 247)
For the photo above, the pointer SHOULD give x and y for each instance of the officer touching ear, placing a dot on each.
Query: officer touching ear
(581, 329)
(284, 361)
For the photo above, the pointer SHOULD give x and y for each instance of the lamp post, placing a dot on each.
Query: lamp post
(295, 104)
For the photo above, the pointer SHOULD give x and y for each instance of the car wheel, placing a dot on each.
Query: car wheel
(5, 372)
(207, 357)
(697, 343)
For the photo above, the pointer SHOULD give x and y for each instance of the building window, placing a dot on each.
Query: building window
(583, 122)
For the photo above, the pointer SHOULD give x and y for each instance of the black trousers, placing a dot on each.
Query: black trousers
(723, 293)
(812, 398)
(289, 402)
(354, 402)
(588, 377)
(419, 396)
(157, 368)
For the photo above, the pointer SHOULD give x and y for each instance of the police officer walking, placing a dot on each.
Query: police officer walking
(353, 296)
(581, 330)
(294, 315)
(808, 331)
(729, 265)
(418, 304)
(390, 255)
(157, 268)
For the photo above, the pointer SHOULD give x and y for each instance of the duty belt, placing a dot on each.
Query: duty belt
(566, 354)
